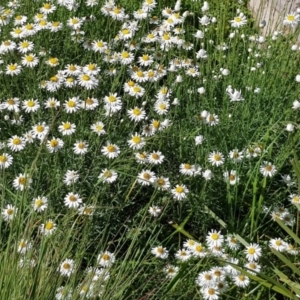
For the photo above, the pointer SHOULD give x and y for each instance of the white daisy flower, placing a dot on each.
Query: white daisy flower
(67, 267)
(106, 259)
(136, 114)
(183, 254)
(72, 200)
(180, 192)
(39, 204)
(215, 238)
(80, 147)
(21, 182)
(171, 271)
(216, 158)
(111, 150)
(108, 176)
(5, 160)
(156, 158)
(98, 128)
(267, 169)
(146, 177)
(278, 244)
(48, 227)
(54, 144)
(154, 211)
(9, 212)
(160, 252)
(71, 177)
(253, 252)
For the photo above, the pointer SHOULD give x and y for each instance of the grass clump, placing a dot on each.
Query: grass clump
(146, 151)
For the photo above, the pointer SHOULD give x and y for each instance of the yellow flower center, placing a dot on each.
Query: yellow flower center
(238, 19)
(85, 77)
(54, 79)
(160, 250)
(54, 143)
(39, 128)
(137, 89)
(22, 180)
(107, 174)
(49, 225)
(99, 127)
(199, 248)
(217, 157)
(136, 139)
(211, 291)
(268, 168)
(53, 61)
(179, 189)
(17, 30)
(10, 211)
(81, 145)
(10, 101)
(100, 44)
(39, 202)
(29, 26)
(278, 243)
(91, 67)
(66, 266)
(136, 112)
(55, 24)
(155, 156)
(89, 101)
(67, 126)
(73, 198)
(125, 31)
(40, 16)
(166, 37)
(117, 10)
(47, 6)
(161, 182)
(251, 250)
(16, 141)
(30, 103)
(29, 58)
(112, 98)
(231, 177)
(111, 148)
(3, 159)
(162, 106)
(125, 54)
(290, 18)
(24, 44)
(105, 256)
(208, 277)
(12, 67)
(156, 124)
(215, 236)
(71, 103)
(146, 176)
(252, 266)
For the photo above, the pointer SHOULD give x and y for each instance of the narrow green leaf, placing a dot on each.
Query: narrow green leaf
(266, 281)
(224, 225)
(286, 261)
(288, 231)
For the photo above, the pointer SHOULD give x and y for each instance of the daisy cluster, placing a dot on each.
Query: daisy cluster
(227, 251)
(103, 112)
